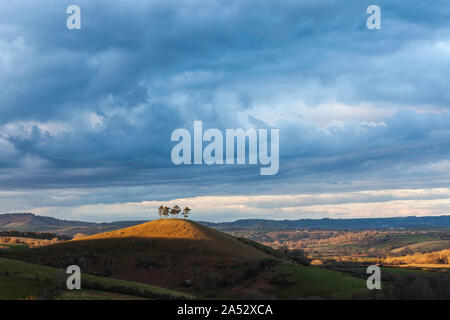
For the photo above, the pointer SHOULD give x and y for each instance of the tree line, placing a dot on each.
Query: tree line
(165, 211)
(33, 235)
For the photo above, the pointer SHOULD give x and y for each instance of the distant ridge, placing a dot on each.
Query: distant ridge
(412, 222)
(26, 221)
(31, 222)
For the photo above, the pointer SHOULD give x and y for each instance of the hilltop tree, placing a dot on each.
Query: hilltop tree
(175, 211)
(186, 212)
(161, 211)
(166, 211)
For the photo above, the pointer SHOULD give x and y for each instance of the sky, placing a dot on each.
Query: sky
(86, 115)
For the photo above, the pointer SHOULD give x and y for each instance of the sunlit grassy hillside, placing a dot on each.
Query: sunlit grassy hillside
(19, 280)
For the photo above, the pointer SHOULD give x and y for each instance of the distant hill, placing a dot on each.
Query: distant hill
(18, 221)
(336, 224)
(32, 222)
(35, 223)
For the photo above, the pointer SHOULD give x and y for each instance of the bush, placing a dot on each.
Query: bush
(280, 279)
(267, 263)
(299, 256)
(212, 281)
(254, 269)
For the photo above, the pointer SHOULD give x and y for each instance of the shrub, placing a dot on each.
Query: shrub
(280, 279)
(299, 256)
(213, 280)
(267, 263)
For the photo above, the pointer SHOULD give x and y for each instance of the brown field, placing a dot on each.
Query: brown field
(441, 258)
(325, 247)
(30, 242)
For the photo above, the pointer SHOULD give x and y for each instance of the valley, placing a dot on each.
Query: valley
(183, 259)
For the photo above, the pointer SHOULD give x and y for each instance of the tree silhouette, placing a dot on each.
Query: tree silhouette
(186, 212)
(175, 211)
(166, 211)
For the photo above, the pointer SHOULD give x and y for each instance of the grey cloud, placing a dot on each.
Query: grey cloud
(136, 71)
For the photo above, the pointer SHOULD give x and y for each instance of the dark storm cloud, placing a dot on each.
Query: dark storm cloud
(96, 107)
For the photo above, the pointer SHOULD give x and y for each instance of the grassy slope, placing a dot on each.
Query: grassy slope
(405, 284)
(307, 281)
(170, 229)
(25, 278)
(13, 247)
(318, 282)
(401, 240)
(185, 250)
(95, 295)
(17, 287)
(164, 253)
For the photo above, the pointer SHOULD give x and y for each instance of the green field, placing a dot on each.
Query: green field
(19, 279)
(16, 287)
(88, 294)
(405, 284)
(13, 247)
(400, 240)
(314, 282)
